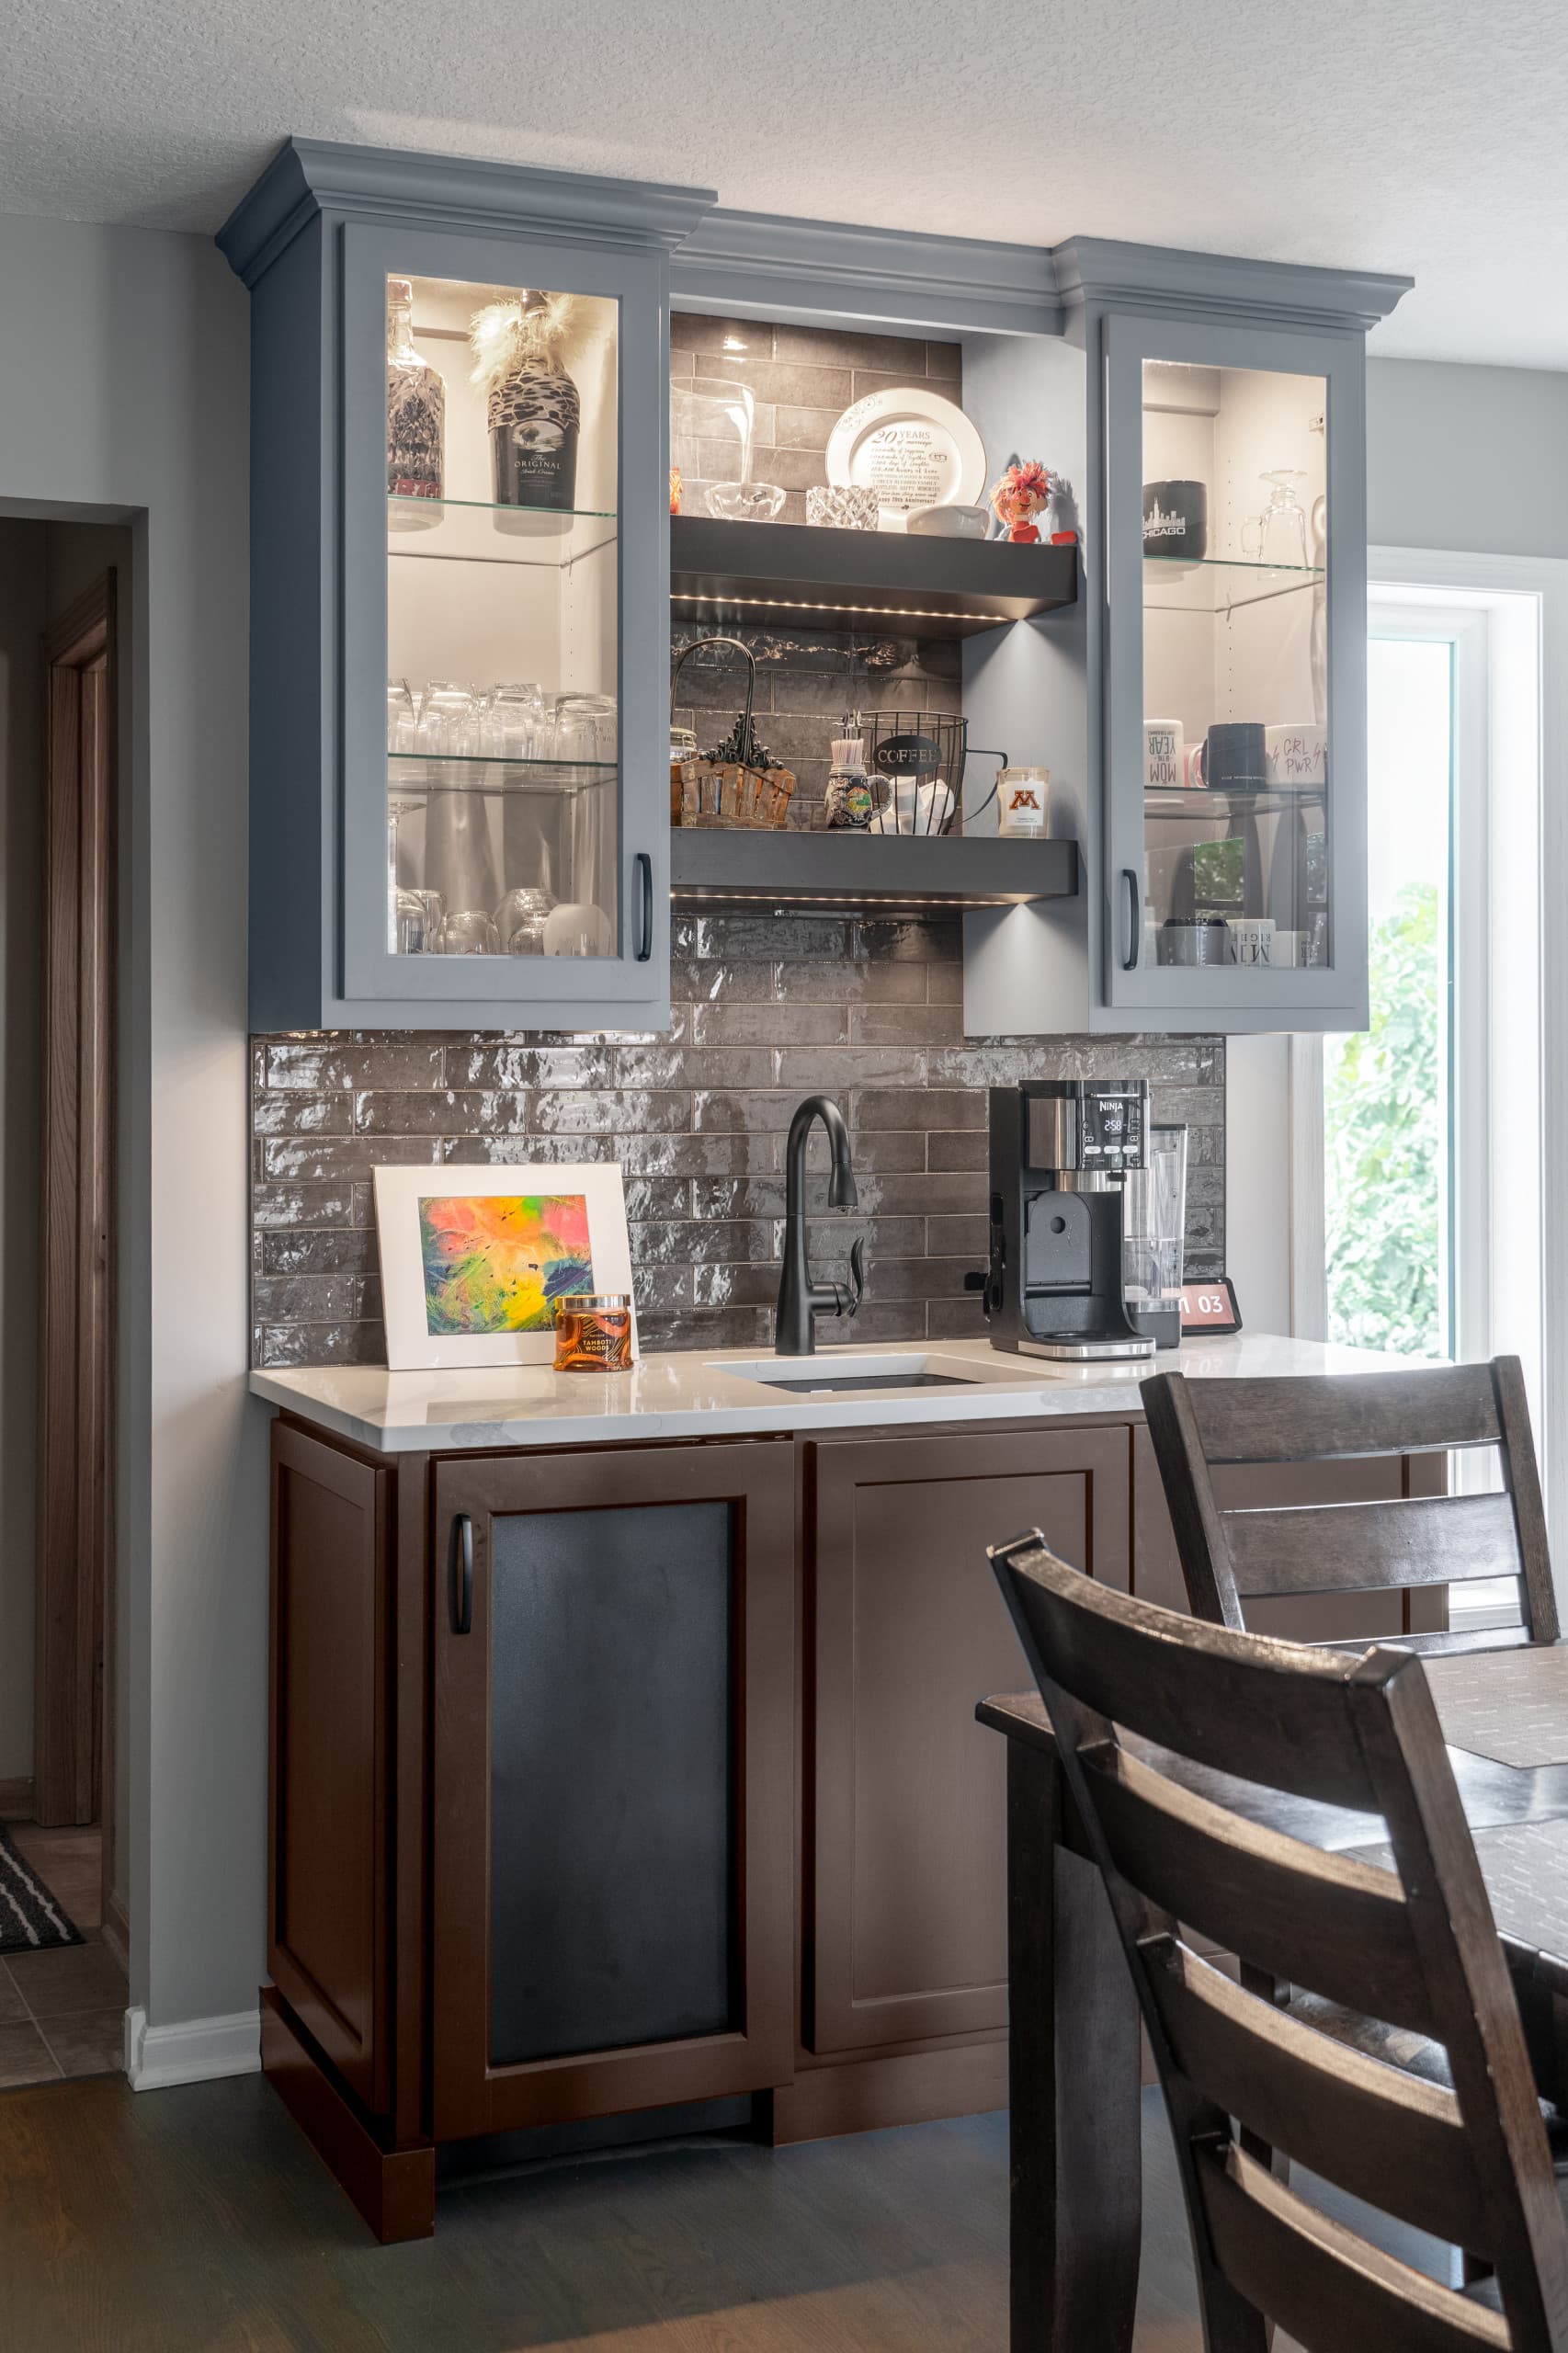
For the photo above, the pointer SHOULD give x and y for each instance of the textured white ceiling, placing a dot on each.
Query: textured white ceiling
(1417, 135)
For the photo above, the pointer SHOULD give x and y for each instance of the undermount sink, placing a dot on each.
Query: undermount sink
(827, 1376)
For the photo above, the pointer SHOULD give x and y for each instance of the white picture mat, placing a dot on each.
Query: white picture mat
(411, 1346)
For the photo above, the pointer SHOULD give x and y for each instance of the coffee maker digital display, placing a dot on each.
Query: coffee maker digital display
(1060, 1151)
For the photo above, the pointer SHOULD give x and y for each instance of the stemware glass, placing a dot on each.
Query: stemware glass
(1280, 530)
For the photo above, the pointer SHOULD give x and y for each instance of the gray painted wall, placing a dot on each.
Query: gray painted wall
(23, 594)
(123, 372)
(1467, 458)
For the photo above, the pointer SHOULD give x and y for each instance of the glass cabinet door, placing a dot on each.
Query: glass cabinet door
(1234, 773)
(486, 845)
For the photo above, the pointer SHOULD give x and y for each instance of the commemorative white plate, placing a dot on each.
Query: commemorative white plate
(912, 448)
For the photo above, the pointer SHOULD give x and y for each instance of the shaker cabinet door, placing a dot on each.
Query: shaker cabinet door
(329, 1929)
(505, 625)
(613, 1773)
(906, 1794)
(1235, 729)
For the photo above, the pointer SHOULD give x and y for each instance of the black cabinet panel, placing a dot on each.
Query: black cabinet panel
(613, 1914)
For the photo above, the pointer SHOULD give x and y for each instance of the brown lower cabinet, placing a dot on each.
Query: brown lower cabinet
(616, 1779)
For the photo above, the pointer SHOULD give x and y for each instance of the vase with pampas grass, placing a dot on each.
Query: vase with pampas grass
(533, 406)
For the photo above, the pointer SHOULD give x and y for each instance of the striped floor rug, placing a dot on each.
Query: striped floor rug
(30, 1918)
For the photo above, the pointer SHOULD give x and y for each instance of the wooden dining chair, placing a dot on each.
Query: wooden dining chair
(1232, 1556)
(1152, 1713)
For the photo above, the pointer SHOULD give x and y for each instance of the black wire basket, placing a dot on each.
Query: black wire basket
(916, 759)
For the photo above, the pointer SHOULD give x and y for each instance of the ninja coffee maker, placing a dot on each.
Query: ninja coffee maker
(1062, 1151)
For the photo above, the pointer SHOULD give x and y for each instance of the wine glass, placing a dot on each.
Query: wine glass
(1281, 529)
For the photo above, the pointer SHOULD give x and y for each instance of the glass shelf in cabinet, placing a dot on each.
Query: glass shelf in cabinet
(1222, 584)
(1177, 800)
(461, 530)
(420, 772)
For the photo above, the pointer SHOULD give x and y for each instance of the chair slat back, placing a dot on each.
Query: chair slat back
(1229, 1555)
(1414, 1946)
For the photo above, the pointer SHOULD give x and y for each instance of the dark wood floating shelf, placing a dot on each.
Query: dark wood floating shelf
(776, 574)
(785, 870)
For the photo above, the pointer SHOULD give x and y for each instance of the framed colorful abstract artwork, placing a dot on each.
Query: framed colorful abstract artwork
(474, 1259)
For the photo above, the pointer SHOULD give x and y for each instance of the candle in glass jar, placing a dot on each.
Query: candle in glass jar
(593, 1332)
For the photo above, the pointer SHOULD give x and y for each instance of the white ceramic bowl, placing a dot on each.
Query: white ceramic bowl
(948, 522)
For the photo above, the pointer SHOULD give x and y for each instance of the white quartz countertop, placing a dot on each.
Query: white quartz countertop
(721, 1392)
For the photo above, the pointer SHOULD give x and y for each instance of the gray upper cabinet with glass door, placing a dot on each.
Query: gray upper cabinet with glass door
(459, 784)
(1234, 650)
(1225, 564)
(1235, 703)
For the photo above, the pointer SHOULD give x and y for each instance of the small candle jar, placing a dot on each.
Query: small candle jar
(593, 1332)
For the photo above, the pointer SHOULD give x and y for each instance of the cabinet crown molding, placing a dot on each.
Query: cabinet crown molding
(1108, 273)
(765, 263)
(307, 177)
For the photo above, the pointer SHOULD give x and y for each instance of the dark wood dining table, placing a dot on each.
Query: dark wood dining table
(1074, 2058)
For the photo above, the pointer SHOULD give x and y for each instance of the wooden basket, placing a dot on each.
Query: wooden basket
(738, 788)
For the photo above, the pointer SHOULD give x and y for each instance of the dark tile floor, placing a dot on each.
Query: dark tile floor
(63, 2013)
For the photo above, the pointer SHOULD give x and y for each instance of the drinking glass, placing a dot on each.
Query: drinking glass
(470, 932)
(448, 725)
(399, 806)
(584, 728)
(577, 927)
(520, 922)
(400, 715)
(412, 934)
(513, 721)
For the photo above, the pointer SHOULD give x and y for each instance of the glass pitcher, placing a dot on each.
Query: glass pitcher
(1279, 535)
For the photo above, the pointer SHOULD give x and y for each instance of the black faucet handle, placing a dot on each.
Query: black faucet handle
(848, 1299)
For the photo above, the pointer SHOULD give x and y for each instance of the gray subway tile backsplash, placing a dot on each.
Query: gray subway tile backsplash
(863, 1012)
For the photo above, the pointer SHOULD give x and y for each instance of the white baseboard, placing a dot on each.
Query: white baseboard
(195, 2050)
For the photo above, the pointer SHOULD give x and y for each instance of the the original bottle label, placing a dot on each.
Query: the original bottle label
(534, 420)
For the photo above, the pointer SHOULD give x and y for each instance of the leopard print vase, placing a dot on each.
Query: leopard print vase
(534, 420)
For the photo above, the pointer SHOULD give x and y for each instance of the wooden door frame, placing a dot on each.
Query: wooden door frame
(75, 1402)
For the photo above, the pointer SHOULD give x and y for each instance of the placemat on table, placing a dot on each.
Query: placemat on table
(1509, 1705)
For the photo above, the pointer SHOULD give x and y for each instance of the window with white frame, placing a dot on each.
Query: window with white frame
(1429, 1125)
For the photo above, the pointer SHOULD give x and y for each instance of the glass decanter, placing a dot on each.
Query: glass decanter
(1278, 536)
(417, 422)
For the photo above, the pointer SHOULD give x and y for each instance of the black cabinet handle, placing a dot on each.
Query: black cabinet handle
(1130, 947)
(459, 1574)
(644, 865)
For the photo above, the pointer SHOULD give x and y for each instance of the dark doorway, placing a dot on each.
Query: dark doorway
(75, 1270)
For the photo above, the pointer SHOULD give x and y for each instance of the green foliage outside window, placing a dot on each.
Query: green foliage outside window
(1383, 1099)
